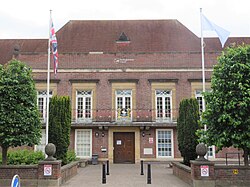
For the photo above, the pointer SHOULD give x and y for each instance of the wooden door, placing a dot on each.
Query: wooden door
(124, 147)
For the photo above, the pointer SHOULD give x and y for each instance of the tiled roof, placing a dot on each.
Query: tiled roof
(117, 36)
(7, 47)
(144, 36)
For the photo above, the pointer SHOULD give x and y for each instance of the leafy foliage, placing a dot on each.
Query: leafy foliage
(187, 124)
(24, 157)
(71, 156)
(228, 105)
(20, 122)
(59, 125)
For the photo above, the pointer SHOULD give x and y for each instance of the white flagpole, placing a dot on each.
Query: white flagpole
(48, 82)
(203, 67)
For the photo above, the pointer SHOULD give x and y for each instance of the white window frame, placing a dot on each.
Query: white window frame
(42, 94)
(211, 154)
(127, 118)
(90, 151)
(198, 94)
(164, 96)
(84, 119)
(42, 143)
(172, 143)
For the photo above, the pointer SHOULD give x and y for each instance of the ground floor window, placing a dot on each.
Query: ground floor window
(211, 151)
(42, 144)
(164, 143)
(83, 143)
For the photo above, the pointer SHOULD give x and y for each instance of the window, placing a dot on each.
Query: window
(42, 102)
(84, 105)
(198, 96)
(83, 143)
(42, 144)
(123, 104)
(164, 143)
(163, 105)
(211, 151)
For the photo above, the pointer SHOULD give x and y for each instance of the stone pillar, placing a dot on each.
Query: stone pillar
(49, 170)
(202, 170)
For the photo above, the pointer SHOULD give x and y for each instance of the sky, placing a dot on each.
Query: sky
(28, 19)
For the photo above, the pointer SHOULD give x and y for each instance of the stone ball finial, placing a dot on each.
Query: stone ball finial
(50, 150)
(201, 150)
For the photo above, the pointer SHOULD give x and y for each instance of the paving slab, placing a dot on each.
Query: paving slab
(125, 175)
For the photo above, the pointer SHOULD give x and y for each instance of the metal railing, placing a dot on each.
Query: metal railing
(118, 115)
(233, 154)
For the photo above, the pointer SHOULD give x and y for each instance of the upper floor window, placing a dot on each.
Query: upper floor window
(42, 102)
(123, 104)
(163, 105)
(84, 105)
(198, 96)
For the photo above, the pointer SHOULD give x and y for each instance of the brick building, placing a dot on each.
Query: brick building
(125, 79)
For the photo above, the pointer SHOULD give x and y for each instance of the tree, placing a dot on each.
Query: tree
(187, 125)
(19, 117)
(228, 105)
(59, 125)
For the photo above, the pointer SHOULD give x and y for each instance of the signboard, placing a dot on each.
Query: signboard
(204, 171)
(236, 171)
(151, 140)
(148, 151)
(47, 170)
(15, 181)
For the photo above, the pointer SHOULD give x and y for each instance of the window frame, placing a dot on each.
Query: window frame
(172, 143)
(164, 96)
(123, 96)
(44, 97)
(90, 143)
(84, 119)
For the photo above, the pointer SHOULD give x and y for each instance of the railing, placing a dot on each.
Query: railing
(233, 154)
(122, 115)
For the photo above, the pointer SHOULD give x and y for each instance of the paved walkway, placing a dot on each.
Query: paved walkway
(125, 175)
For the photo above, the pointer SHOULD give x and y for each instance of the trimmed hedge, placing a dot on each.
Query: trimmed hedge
(23, 157)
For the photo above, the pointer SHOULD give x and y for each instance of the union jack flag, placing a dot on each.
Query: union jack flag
(53, 42)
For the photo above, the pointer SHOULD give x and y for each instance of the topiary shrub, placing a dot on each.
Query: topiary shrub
(187, 125)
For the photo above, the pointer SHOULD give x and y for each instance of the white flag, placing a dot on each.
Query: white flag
(210, 26)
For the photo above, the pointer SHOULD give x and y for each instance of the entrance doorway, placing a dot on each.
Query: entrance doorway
(124, 147)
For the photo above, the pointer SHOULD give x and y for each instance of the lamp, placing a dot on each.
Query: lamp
(96, 134)
(103, 134)
(143, 134)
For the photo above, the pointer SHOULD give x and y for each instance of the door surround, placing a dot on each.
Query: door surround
(136, 130)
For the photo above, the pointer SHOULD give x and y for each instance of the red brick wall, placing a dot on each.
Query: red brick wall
(232, 175)
(144, 142)
(25, 172)
(182, 171)
(99, 142)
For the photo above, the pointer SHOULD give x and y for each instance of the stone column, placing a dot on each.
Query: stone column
(49, 170)
(202, 170)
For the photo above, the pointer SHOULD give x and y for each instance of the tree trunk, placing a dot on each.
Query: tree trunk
(246, 152)
(4, 155)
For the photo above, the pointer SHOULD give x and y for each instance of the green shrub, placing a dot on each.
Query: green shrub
(71, 156)
(24, 157)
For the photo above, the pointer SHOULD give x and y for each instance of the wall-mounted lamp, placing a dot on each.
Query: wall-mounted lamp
(143, 134)
(103, 134)
(96, 134)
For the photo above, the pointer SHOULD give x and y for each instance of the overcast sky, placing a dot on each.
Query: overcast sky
(30, 18)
